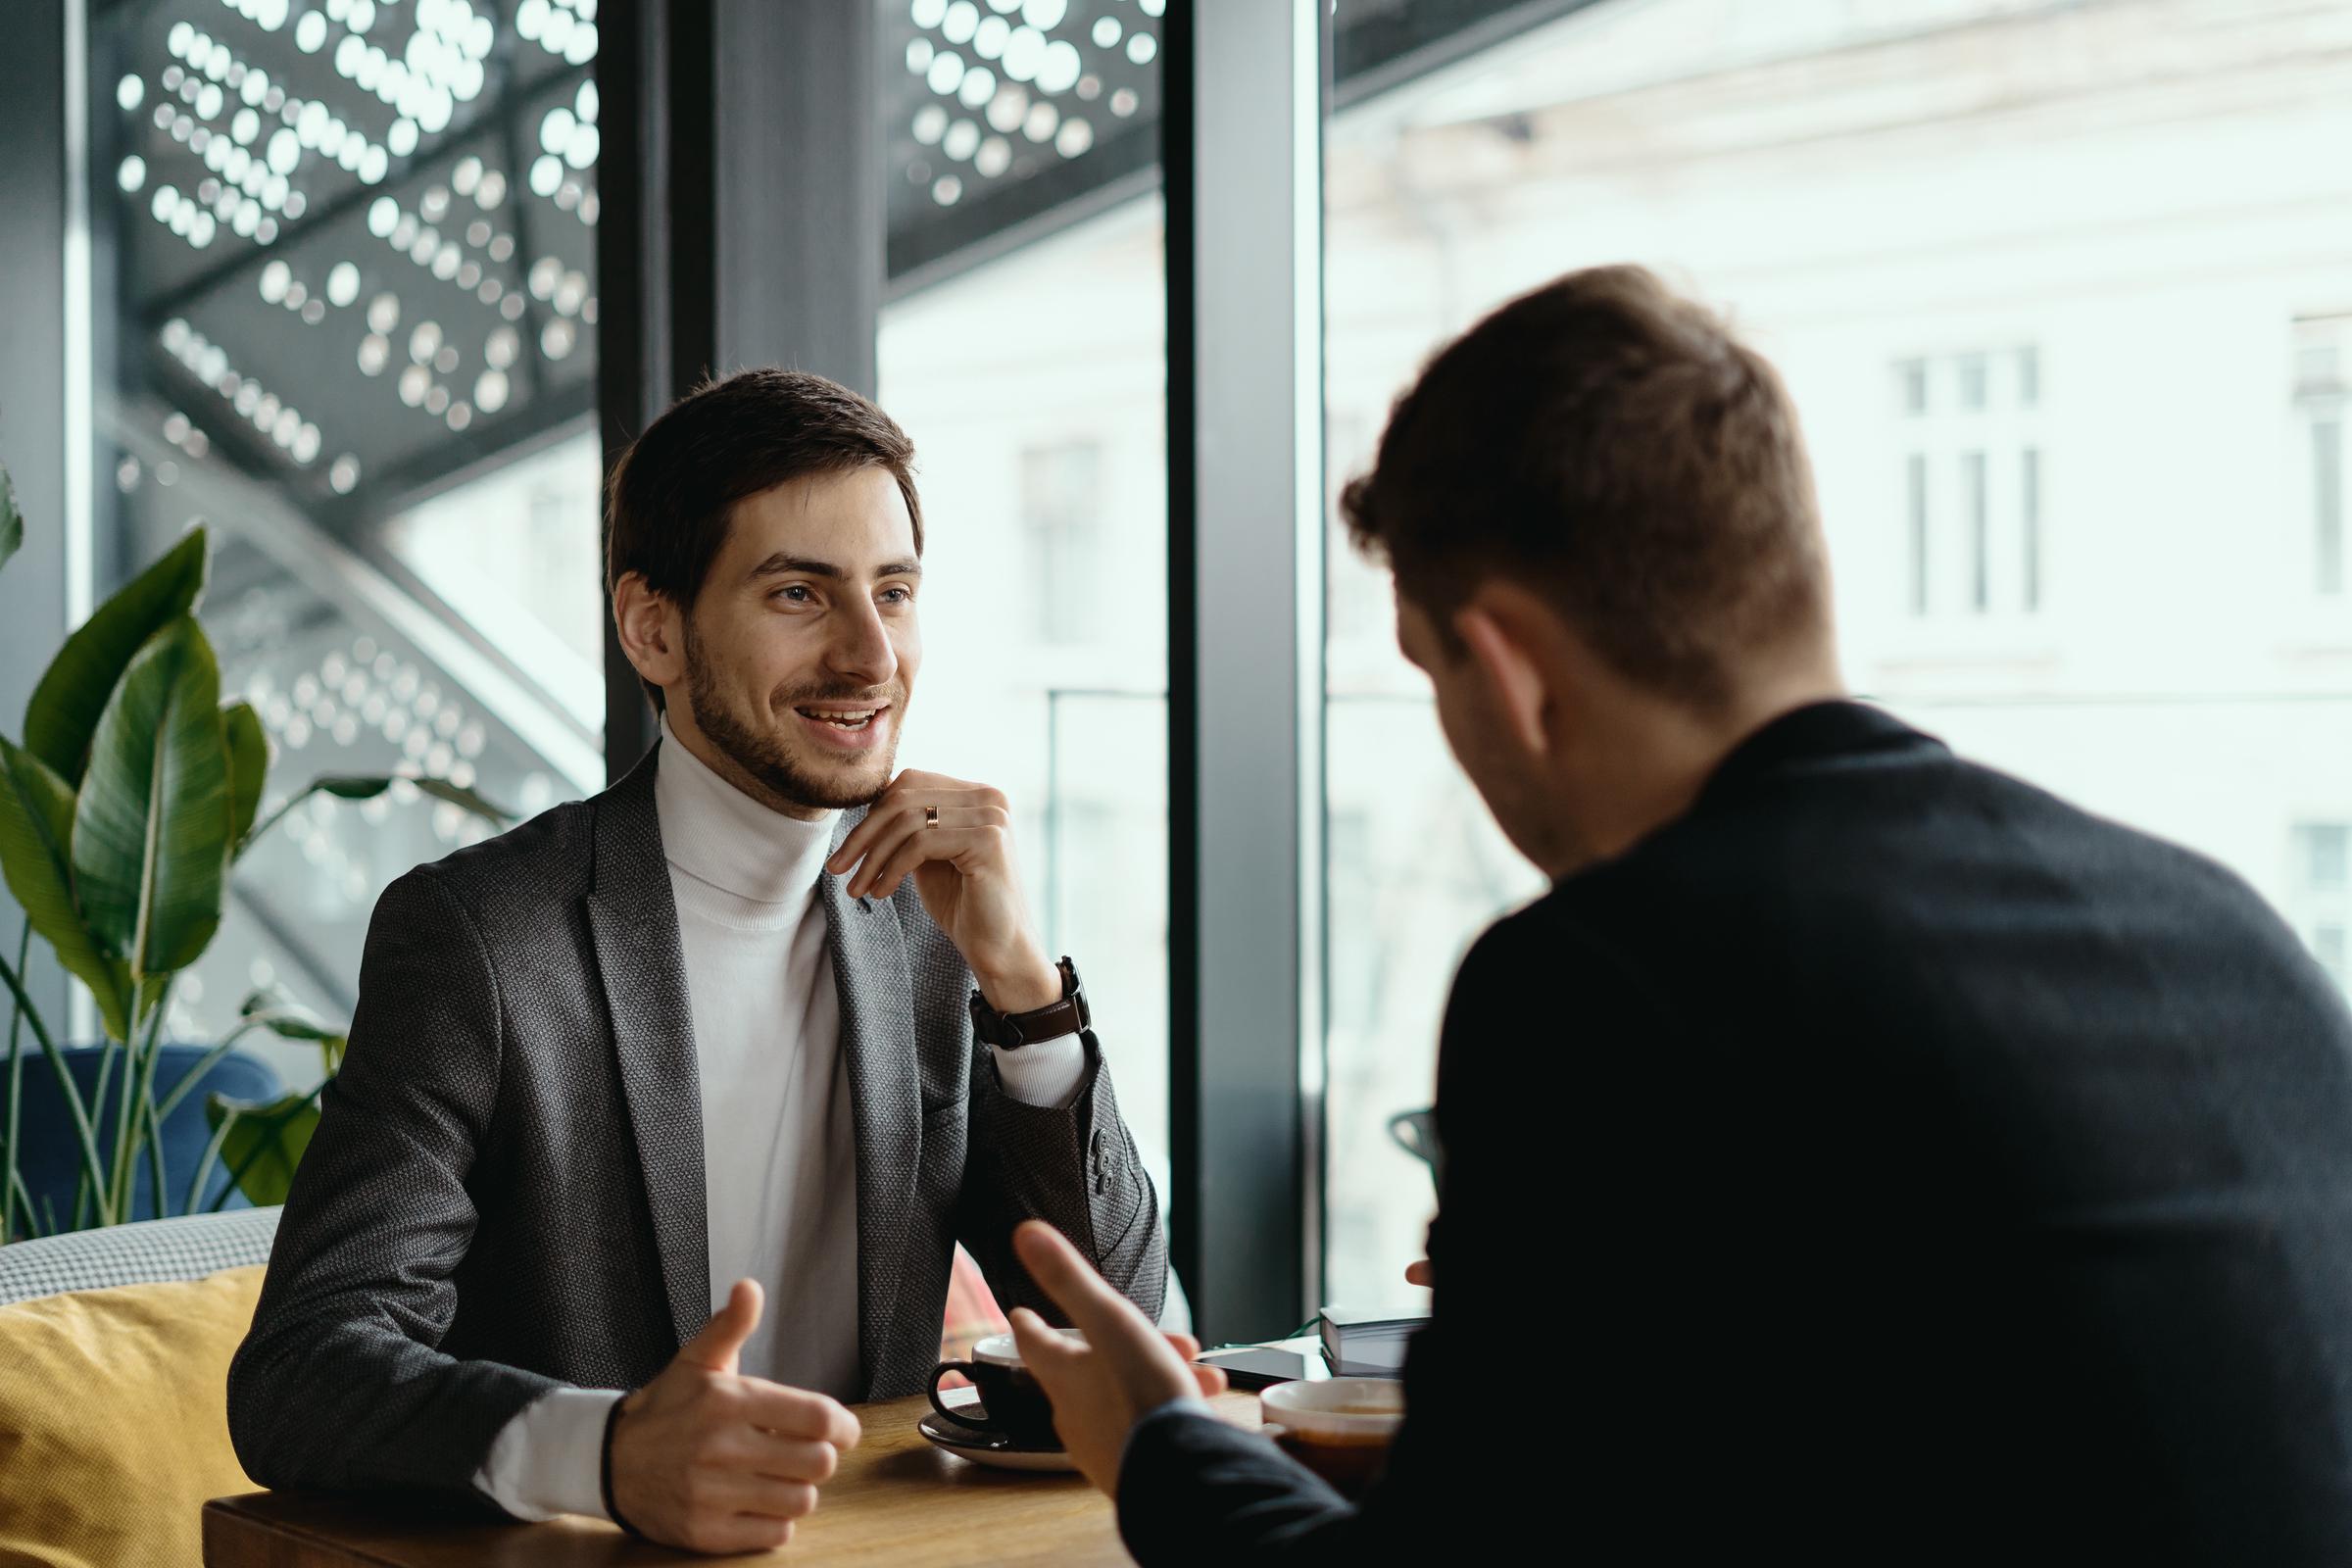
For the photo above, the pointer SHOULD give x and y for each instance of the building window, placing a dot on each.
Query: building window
(2320, 404)
(1062, 508)
(2030, 499)
(1971, 425)
(1912, 375)
(1979, 538)
(1919, 533)
(2322, 892)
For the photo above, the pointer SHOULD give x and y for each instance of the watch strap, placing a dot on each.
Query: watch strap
(1012, 1031)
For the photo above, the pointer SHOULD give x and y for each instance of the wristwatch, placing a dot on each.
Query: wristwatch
(1010, 1031)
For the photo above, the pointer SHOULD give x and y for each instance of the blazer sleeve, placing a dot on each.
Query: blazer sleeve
(1193, 1489)
(340, 1383)
(1076, 1168)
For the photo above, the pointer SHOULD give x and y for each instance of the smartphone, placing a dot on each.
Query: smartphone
(1257, 1367)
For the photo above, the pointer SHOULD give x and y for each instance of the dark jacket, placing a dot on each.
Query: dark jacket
(506, 1191)
(1883, 1163)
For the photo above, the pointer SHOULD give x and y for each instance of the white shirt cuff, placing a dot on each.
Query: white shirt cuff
(1043, 1072)
(548, 1459)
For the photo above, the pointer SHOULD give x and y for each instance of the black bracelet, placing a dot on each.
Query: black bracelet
(604, 1472)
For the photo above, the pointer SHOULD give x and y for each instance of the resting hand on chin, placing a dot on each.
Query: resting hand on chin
(964, 868)
(1126, 1368)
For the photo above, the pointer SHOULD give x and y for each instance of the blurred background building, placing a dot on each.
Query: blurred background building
(2063, 290)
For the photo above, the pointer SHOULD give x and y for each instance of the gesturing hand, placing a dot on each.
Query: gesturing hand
(707, 1459)
(964, 868)
(1125, 1369)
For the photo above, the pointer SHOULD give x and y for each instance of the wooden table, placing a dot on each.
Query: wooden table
(895, 1499)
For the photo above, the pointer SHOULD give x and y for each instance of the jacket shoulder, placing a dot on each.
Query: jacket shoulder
(545, 860)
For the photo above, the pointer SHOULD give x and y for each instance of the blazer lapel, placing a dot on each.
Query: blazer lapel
(877, 1038)
(634, 920)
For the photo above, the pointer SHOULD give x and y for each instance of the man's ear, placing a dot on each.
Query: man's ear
(649, 630)
(1503, 640)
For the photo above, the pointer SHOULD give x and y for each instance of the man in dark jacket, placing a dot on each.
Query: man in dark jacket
(1925, 1169)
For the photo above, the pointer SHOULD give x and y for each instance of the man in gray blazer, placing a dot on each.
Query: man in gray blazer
(761, 1021)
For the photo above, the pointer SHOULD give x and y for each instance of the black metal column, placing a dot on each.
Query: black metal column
(35, 196)
(743, 222)
(1243, 106)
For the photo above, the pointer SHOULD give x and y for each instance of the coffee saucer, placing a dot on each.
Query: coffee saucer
(996, 1449)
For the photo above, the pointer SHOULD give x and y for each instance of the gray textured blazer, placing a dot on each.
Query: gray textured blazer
(505, 1191)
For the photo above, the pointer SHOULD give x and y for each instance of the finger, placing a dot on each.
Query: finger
(1065, 1276)
(774, 1454)
(1213, 1380)
(883, 870)
(721, 1342)
(1043, 1348)
(1419, 1273)
(739, 1493)
(739, 1533)
(863, 852)
(888, 807)
(1051, 1358)
(797, 1413)
(1186, 1346)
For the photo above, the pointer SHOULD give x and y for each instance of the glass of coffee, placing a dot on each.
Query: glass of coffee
(1011, 1404)
(1340, 1428)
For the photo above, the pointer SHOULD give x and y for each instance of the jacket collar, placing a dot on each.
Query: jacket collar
(1817, 732)
(633, 920)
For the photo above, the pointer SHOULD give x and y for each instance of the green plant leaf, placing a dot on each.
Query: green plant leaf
(264, 1143)
(248, 766)
(80, 680)
(12, 521)
(360, 787)
(261, 1007)
(367, 786)
(151, 823)
(36, 832)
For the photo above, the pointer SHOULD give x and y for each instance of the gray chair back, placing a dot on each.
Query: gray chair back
(188, 1248)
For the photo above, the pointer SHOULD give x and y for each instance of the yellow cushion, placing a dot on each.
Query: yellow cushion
(113, 1421)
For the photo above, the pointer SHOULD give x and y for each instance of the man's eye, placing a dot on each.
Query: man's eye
(797, 592)
(899, 596)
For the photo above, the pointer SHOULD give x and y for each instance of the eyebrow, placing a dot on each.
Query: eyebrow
(780, 562)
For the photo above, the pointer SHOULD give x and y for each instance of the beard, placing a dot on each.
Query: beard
(762, 755)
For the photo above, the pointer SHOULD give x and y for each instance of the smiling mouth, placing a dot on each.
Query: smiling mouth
(851, 719)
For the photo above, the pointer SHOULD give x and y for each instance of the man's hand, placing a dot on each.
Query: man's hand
(710, 1460)
(1125, 1369)
(964, 868)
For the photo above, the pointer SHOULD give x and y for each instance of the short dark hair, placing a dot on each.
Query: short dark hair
(673, 492)
(1617, 448)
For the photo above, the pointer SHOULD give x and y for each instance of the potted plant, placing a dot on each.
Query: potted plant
(124, 809)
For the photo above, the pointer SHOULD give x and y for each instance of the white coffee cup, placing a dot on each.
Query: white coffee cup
(1339, 1428)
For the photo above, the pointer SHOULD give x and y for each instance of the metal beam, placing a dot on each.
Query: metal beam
(1244, 96)
(44, 589)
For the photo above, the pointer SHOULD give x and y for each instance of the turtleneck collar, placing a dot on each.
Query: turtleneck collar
(714, 833)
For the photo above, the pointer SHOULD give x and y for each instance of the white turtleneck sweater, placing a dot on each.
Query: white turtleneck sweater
(779, 1151)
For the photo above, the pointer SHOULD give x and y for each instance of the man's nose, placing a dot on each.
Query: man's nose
(862, 650)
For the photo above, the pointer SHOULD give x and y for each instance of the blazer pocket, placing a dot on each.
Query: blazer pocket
(941, 1115)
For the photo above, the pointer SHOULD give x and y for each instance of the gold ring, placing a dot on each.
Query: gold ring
(930, 816)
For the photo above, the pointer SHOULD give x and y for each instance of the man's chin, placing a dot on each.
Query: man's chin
(832, 783)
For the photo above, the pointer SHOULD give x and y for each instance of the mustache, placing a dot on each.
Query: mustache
(893, 695)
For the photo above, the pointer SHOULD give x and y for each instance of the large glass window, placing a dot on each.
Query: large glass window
(1024, 352)
(2059, 293)
(346, 318)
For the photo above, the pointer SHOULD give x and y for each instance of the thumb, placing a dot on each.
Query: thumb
(722, 1340)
